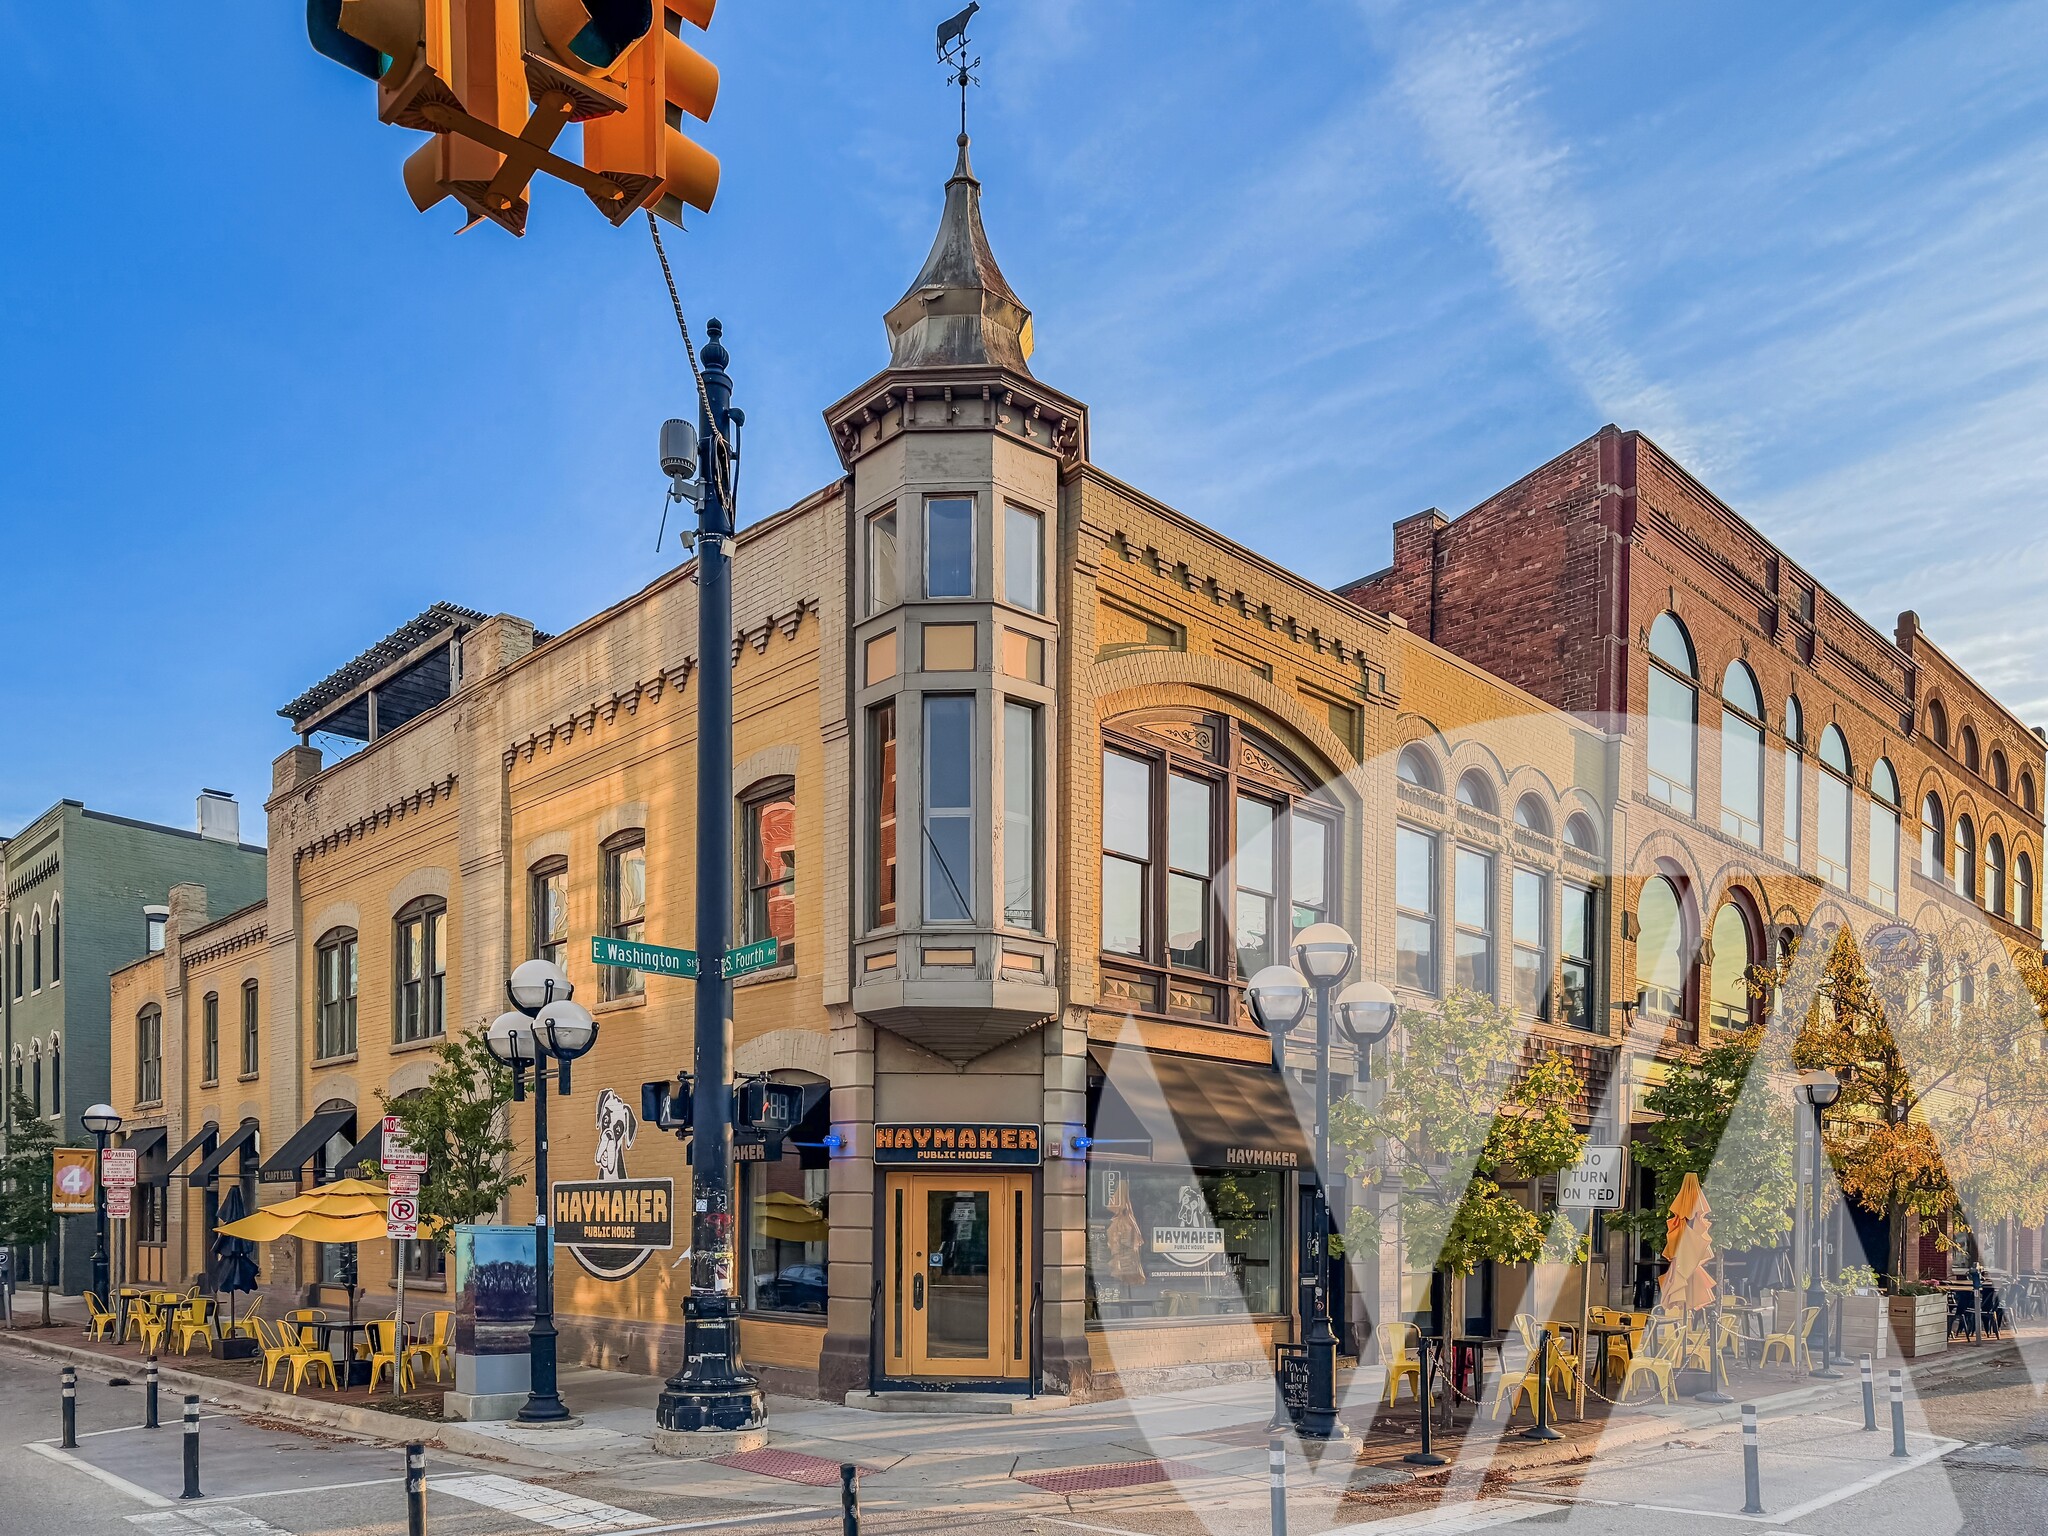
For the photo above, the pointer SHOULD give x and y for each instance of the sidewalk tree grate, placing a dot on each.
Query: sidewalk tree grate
(790, 1466)
(1118, 1474)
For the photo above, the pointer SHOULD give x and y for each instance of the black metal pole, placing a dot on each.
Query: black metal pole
(1276, 1485)
(99, 1217)
(1816, 1290)
(1424, 1457)
(1541, 1429)
(1898, 1412)
(713, 1389)
(191, 1449)
(849, 1499)
(1869, 1398)
(1752, 1474)
(1320, 1421)
(543, 1402)
(149, 1387)
(69, 1379)
(415, 1489)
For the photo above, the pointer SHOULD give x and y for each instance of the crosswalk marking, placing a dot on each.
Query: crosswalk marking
(551, 1507)
(204, 1520)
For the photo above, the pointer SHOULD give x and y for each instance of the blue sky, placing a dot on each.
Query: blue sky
(1313, 266)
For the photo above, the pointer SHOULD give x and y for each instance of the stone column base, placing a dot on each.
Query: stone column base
(701, 1444)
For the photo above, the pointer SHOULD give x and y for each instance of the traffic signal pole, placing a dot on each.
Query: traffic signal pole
(713, 1390)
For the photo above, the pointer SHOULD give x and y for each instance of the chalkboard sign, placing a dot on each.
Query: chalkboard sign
(1290, 1373)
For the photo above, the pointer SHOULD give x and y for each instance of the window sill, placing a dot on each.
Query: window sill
(801, 1319)
(210, 1082)
(772, 973)
(414, 1287)
(248, 1077)
(619, 1004)
(425, 1042)
(144, 1104)
(333, 1061)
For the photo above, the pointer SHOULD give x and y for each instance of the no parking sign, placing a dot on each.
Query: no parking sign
(402, 1217)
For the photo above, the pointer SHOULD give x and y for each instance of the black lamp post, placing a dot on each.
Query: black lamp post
(1279, 998)
(548, 1026)
(1818, 1089)
(103, 1120)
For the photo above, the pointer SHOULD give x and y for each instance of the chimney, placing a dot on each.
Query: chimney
(219, 817)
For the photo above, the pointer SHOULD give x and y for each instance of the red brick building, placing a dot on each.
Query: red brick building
(1781, 764)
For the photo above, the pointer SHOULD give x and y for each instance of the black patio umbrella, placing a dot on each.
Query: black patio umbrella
(234, 1258)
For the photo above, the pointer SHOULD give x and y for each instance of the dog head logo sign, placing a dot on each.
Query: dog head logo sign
(613, 1223)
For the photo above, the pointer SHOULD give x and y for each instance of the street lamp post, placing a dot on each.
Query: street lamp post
(1279, 998)
(103, 1120)
(549, 1025)
(1818, 1089)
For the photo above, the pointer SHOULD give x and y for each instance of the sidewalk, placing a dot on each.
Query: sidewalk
(1208, 1443)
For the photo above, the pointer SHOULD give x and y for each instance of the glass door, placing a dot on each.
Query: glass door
(958, 1275)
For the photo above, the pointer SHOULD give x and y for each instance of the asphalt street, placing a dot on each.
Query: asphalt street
(1978, 1464)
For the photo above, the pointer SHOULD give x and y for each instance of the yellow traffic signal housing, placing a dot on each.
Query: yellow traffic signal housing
(574, 47)
(403, 45)
(645, 141)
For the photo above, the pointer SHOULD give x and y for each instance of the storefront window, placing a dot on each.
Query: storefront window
(785, 1209)
(1165, 1242)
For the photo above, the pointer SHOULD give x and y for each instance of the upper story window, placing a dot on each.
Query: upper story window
(56, 1075)
(420, 966)
(1937, 722)
(949, 546)
(1966, 747)
(1531, 817)
(768, 901)
(1532, 942)
(1742, 756)
(885, 587)
(56, 942)
(2001, 775)
(35, 951)
(1795, 779)
(1579, 833)
(1415, 908)
(2026, 790)
(2023, 891)
(154, 922)
(1933, 839)
(881, 830)
(335, 975)
(1577, 935)
(623, 900)
(1474, 791)
(209, 1038)
(1834, 807)
(252, 1034)
(1729, 1000)
(1414, 766)
(1215, 853)
(1994, 874)
(20, 955)
(1674, 714)
(1884, 837)
(1663, 950)
(149, 1055)
(35, 1077)
(1023, 558)
(1966, 857)
(1472, 911)
(1021, 847)
(547, 902)
(949, 781)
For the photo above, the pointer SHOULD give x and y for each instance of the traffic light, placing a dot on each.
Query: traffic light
(403, 45)
(644, 144)
(573, 46)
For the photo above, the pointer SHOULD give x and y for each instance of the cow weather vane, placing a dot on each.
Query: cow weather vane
(953, 49)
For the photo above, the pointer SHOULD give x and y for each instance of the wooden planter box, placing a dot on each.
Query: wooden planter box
(1919, 1324)
(1864, 1330)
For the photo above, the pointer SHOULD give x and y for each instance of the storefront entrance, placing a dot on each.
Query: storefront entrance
(957, 1268)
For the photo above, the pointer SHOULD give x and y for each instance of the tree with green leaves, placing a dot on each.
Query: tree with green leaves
(458, 1119)
(26, 1220)
(1451, 1119)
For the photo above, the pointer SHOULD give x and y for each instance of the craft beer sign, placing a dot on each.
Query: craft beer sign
(948, 1141)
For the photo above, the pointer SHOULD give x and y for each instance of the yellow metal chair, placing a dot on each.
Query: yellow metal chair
(1564, 1363)
(101, 1319)
(431, 1341)
(1512, 1387)
(307, 1358)
(277, 1344)
(384, 1356)
(1396, 1343)
(245, 1325)
(156, 1326)
(1793, 1344)
(1657, 1362)
(194, 1320)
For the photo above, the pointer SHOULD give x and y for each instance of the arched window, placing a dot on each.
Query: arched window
(20, 1067)
(2001, 776)
(1728, 987)
(1966, 857)
(35, 952)
(35, 1077)
(768, 850)
(1473, 790)
(252, 1042)
(334, 979)
(1994, 874)
(1663, 954)
(1937, 722)
(1414, 766)
(56, 1075)
(1579, 834)
(1834, 807)
(209, 1038)
(2023, 891)
(1933, 839)
(1674, 714)
(56, 942)
(1742, 756)
(2026, 790)
(1795, 779)
(1966, 747)
(1884, 837)
(20, 968)
(1531, 817)
(419, 956)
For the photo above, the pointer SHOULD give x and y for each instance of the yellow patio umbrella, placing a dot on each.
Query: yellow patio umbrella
(346, 1211)
(1689, 1245)
(791, 1219)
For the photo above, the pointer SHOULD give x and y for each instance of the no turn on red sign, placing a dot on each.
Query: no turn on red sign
(402, 1217)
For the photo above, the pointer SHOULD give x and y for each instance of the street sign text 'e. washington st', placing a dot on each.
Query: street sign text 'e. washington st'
(661, 960)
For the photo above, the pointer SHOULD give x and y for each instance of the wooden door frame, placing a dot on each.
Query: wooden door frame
(1013, 1243)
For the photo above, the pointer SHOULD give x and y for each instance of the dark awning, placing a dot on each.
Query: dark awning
(244, 1135)
(288, 1159)
(1214, 1114)
(170, 1165)
(146, 1140)
(369, 1150)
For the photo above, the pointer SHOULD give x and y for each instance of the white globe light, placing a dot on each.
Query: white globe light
(510, 1039)
(1366, 1010)
(1324, 951)
(1278, 997)
(101, 1119)
(1819, 1087)
(536, 983)
(565, 1029)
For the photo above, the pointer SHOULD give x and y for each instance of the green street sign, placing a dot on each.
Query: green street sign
(631, 955)
(750, 957)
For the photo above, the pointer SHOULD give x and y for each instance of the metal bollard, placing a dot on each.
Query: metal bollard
(191, 1448)
(1898, 1412)
(849, 1499)
(1541, 1429)
(1752, 1477)
(1424, 1457)
(1276, 1483)
(415, 1489)
(1869, 1398)
(70, 1408)
(149, 1395)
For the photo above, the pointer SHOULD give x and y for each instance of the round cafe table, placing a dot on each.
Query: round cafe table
(348, 1370)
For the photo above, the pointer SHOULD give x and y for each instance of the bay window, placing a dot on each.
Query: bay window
(1020, 815)
(881, 753)
(949, 759)
(949, 546)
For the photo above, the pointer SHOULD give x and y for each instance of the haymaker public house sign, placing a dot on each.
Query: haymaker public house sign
(949, 1141)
